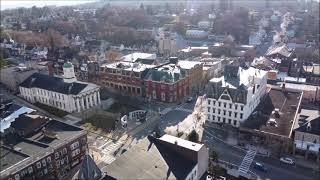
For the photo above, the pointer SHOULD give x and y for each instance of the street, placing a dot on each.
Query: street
(234, 155)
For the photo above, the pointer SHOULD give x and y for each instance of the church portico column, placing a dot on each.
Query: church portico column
(78, 104)
(82, 103)
(95, 98)
(91, 99)
(98, 97)
(87, 101)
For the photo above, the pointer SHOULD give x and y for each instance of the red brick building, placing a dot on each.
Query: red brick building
(48, 151)
(124, 77)
(168, 83)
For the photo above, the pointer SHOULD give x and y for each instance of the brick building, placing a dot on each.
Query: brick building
(168, 83)
(194, 70)
(45, 149)
(124, 77)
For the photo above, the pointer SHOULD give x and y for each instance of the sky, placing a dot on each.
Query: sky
(11, 4)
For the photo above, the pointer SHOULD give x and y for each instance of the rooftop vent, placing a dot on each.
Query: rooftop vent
(176, 142)
(17, 149)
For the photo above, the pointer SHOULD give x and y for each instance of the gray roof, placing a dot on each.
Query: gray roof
(152, 158)
(52, 83)
(309, 121)
(10, 157)
(62, 130)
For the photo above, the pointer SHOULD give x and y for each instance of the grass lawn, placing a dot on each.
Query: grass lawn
(52, 110)
(98, 121)
(121, 108)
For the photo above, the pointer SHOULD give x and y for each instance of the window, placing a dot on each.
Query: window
(230, 113)
(213, 117)
(75, 152)
(230, 105)
(208, 116)
(208, 109)
(64, 151)
(44, 162)
(49, 159)
(45, 171)
(58, 163)
(219, 119)
(236, 106)
(17, 177)
(209, 101)
(30, 170)
(229, 121)
(224, 105)
(224, 112)
(234, 122)
(214, 102)
(241, 115)
(219, 111)
(214, 110)
(235, 114)
(224, 120)
(219, 104)
(74, 145)
(56, 155)
(241, 107)
(38, 165)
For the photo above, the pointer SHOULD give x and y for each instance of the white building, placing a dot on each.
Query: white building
(231, 99)
(133, 57)
(65, 93)
(196, 34)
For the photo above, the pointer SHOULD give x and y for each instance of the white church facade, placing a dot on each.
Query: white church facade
(65, 93)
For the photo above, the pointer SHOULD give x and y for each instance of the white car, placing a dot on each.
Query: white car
(287, 160)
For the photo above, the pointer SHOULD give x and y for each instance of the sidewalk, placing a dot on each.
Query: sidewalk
(300, 161)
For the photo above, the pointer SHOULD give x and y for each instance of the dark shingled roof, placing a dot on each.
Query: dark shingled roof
(52, 83)
(89, 170)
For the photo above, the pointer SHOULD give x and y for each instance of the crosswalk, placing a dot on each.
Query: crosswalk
(108, 159)
(183, 109)
(110, 148)
(165, 111)
(246, 162)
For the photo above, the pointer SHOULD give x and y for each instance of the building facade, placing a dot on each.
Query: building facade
(168, 83)
(167, 45)
(124, 77)
(65, 93)
(46, 153)
(231, 98)
(194, 70)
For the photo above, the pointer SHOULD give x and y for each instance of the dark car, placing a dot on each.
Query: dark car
(260, 167)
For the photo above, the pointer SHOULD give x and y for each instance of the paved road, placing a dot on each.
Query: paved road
(276, 170)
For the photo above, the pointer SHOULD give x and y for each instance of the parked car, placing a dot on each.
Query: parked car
(260, 167)
(287, 160)
(190, 99)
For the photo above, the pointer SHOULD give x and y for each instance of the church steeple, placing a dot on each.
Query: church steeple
(89, 169)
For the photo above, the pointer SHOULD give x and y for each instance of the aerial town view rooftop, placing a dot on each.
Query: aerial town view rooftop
(148, 90)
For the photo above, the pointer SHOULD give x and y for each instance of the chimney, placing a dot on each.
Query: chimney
(283, 87)
(173, 60)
